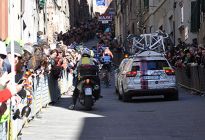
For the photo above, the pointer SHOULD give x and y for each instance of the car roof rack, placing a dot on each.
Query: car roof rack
(149, 42)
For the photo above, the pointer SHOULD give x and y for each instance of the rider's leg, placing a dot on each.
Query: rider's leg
(74, 97)
(109, 73)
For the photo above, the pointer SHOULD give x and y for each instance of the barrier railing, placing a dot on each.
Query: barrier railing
(192, 77)
(43, 86)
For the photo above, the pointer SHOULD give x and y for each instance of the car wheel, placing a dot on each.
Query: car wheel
(172, 96)
(119, 96)
(125, 98)
(116, 91)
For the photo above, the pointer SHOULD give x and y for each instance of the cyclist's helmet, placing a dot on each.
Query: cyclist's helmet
(86, 52)
(92, 54)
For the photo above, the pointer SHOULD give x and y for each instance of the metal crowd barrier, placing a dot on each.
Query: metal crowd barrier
(42, 88)
(192, 77)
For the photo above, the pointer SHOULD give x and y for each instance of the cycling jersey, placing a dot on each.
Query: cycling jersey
(106, 59)
(107, 51)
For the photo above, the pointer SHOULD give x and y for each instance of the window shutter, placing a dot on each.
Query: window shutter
(146, 3)
(195, 16)
(203, 6)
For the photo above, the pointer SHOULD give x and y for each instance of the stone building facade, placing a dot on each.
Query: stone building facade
(127, 18)
(179, 18)
(29, 17)
(201, 34)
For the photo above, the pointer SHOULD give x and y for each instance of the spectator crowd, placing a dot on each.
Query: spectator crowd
(38, 59)
(184, 54)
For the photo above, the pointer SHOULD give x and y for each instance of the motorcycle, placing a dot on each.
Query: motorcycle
(89, 90)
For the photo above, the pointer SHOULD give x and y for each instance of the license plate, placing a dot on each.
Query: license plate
(88, 91)
(151, 77)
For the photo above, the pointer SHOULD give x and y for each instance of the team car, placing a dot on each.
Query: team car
(148, 73)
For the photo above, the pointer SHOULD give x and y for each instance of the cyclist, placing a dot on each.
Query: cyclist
(107, 61)
(107, 51)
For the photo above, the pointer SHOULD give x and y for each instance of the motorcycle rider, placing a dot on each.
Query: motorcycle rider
(86, 59)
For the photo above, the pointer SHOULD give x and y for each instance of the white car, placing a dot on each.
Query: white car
(147, 74)
(118, 74)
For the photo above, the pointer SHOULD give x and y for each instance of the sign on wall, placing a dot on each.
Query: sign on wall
(105, 18)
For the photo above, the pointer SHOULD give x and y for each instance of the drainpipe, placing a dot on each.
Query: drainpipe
(174, 24)
(46, 22)
(140, 17)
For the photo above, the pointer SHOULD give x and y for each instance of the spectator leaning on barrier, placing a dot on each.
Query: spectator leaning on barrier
(36, 58)
(28, 52)
(202, 62)
(3, 55)
(17, 56)
(7, 90)
(189, 58)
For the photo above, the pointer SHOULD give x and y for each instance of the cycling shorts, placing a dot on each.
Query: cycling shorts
(107, 66)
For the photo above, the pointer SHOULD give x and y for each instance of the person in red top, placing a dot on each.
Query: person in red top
(10, 90)
(5, 95)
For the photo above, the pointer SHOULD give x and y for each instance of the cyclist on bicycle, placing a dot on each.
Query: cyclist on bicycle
(107, 51)
(107, 61)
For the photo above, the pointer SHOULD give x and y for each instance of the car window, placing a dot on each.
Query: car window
(154, 65)
(122, 65)
(127, 65)
(136, 66)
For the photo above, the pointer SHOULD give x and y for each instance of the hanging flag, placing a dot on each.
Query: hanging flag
(100, 2)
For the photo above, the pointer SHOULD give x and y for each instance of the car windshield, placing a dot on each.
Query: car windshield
(150, 65)
(154, 65)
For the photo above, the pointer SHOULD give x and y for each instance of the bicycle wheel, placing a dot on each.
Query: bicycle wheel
(106, 80)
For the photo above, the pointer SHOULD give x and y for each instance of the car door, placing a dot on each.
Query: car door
(116, 76)
(122, 76)
(119, 71)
